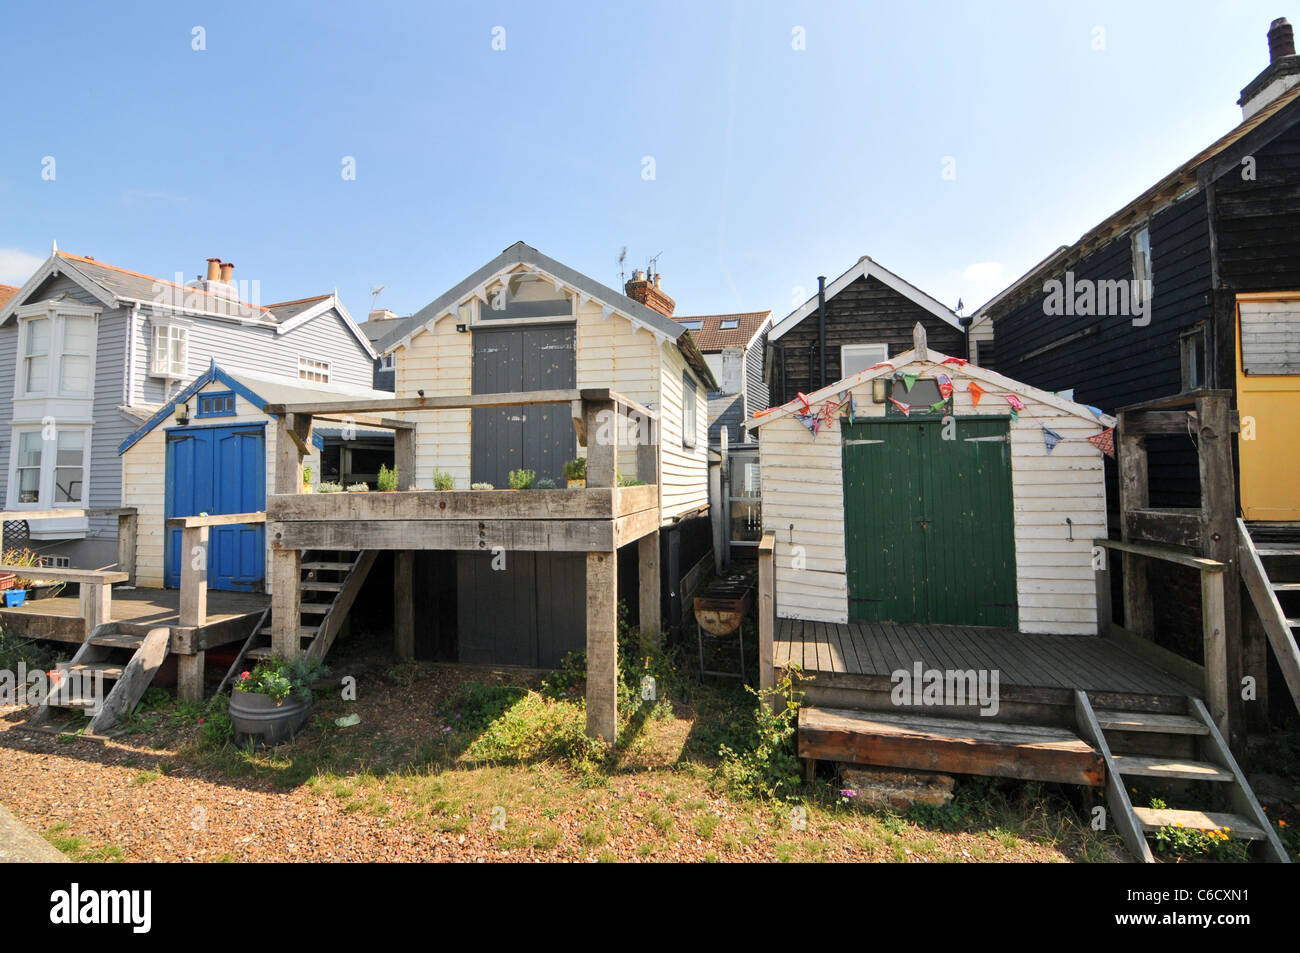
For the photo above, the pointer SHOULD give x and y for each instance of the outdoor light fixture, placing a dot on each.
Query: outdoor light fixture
(462, 328)
(182, 414)
(880, 390)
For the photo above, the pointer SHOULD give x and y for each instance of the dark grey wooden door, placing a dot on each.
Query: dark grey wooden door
(540, 438)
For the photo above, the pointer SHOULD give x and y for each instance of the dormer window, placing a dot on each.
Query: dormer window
(170, 350)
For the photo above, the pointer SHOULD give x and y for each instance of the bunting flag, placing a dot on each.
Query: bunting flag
(1051, 438)
(976, 392)
(849, 405)
(1095, 411)
(1017, 405)
(803, 399)
(811, 421)
(907, 410)
(945, 385)
(876, 367)
(937, 406)
(909, 380)
(1104, 441)
(956, 361)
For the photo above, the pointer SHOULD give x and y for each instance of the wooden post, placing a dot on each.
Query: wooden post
(1215, 649)
(292, 438)
(286, 602)
(648, 588)
(766, 609)
(1105, 610)
(1219, 542)
(602, 642)
(96, 605)
(194, 576)
(127, 530)
(673, 561)
(404, 605)
(600, 420)
(404, 457)
(1139, 616)
(189, 676)
(647, 447)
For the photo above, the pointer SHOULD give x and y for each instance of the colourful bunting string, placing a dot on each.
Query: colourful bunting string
(909, 380)
(1104, 441)
(907, 410)
(811, 421)
(1051, 438)
(976, 392)
(803, 399)
(956, 361)
(1015, 401)
(937, 406)
(1095, 411)
(945, 385)
(876, 367)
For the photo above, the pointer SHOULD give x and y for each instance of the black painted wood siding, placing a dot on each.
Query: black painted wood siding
(866, 312)
(1258, 222)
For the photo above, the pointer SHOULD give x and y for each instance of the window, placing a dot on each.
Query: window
(36, 356)
(56, 562)
(219, 404)
(859, 357)
(691, 325)
(74, 360)
(689, 410)
(386, 362)
(50, 472)
(1141, 264)
(1269, 332)
(170, 350)
(1192, 352)
(729, 324)
(313, 370)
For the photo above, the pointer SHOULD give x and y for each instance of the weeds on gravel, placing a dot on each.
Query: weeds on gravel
(33, 655)
(76, 849)
(763, 762)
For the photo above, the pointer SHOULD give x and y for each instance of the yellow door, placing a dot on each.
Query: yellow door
(1268, 400)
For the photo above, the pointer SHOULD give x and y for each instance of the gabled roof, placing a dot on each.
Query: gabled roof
(258, 389)
(7, 292)
(933, 359)
(711, 337)
(587, 288)
(294, 314)
(867, 268)
(1210, 163)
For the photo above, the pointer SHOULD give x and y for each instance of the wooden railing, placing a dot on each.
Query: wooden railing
(194, 559)
(96, 587)
(1213, 673)
(127, 528)
(766, 609)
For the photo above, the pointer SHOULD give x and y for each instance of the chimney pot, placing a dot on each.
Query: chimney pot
(1281, 40)
(226, 269)
(657, 277)
(213, 265)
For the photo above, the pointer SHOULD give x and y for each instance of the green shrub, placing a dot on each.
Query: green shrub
(764, 764)
(522, 479)
(442, 480)
(387, 480)
(280, 678)
(546, 484)
(576, 469)
(329, 486)
(216, 727)
(481, 486)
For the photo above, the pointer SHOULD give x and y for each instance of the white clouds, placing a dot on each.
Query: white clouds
(16, 265)
(983, 272)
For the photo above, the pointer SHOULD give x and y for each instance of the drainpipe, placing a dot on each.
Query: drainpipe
(132, 321)
(821, 327)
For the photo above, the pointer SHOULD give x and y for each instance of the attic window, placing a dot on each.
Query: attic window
(729, 324)
(219, 404)
(692, 325)
(859, 357)
(170, 350)
(923, 395)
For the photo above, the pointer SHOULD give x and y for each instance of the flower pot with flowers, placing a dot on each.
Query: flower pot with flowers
(272, 701)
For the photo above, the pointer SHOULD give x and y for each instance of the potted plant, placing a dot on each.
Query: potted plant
(271, 702)
(443, 480)
(387, 479)
(575, 473)
(328, 486)
(481, 486)
(522, 479)
(358, 488)
(306, 479)
(21, 588)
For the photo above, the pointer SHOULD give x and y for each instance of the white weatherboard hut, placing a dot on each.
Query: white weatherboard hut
(938, 501)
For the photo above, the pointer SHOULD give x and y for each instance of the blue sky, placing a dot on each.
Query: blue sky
(771, 164)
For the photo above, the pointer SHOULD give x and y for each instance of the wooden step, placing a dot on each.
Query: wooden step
(1286, 586)
(338, 567)
(965, 746)
(315, 586)
(305, 631)
(1149, 722)
(80, 702)
(1135, 766)
(316, 608)
(1267, 551)
(1236, 826)
(117, 640)
(108, 669)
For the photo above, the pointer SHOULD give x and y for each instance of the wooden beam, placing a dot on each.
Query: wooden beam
(220, 519)
(648, 584)
(50, 574)
(96, 604)
(1161, 422)
(190, 670)
(446, 505)
(128, 529)
(766, 609)
(1119, 809)
(600, 420)
(1134, 494)
(1271, 615)
(1156, 551)
(567, 536)
(602, 645)
(1215, 649)
(404, 605)
(286, 602)
(628, 529)
(398, 404)
(367, 420)
(404, 458)
(194, 576)
(288, 455)
(1172, 527)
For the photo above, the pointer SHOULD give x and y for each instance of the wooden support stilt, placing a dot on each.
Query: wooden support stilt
(766, 609)
(602, 645)
(189, 676)
(286, 602)
(404, 605)
(194, 576)
(648, 588)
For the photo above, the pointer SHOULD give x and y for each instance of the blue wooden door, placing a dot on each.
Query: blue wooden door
(219, 470)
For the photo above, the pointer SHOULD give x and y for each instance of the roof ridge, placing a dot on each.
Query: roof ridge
(140, 274)
(281, 304)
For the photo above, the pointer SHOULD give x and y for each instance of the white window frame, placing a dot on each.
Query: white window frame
(477, 304)
(1143, 273)
(690, 409)
(57, 314)
(880, 348)
(49, 460)
(159, 354)
(320, 367)
(386, 363)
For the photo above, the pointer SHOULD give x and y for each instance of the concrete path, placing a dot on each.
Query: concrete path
(21, 845)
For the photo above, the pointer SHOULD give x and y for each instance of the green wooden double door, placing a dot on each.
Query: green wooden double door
(928, 522)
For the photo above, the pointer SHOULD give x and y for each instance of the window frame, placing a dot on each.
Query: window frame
(1140, 252)
(1194, 357)
(857, 348)
(58, 315)
(728, 324)
(168, 329)
(690, 410)
(48, 465)
(211, 396)
(319, 364)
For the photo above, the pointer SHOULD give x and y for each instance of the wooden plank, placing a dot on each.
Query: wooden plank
(1119, 807)
(1183, 669)
(137, 676)
(767, 610)
(96, 604)
(220, 519)
(190, 671)
(650, 615)
(1169, 527)
(404, 605)
(341, 605)
(1134, 494)
(404, 457)
(49, 574)
(602, 645)
(601, 425)
(591, 503)
(1269, 610)
(1214, 644)
(1155, 551)
(194, 576)
(1182, 769)
(399, 404)
(286, 600)
(628, 529)
(475, 535)
(127, 530)
(1028, 752)
(1144, 422)
(1236, 826)
(1153, 722)
(288, 457)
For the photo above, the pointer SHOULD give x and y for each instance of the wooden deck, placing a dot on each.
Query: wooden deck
(852, 665)
(59, 619)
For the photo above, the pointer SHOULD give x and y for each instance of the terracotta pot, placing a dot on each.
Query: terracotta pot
(577, 484)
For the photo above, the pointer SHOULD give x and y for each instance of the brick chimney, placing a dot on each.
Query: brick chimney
(1281, 74)
(648, 292)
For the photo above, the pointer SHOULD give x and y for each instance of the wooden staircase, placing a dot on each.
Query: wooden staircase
(1270, 568)
(330, 582)
(1173, 749)
(108, 656)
